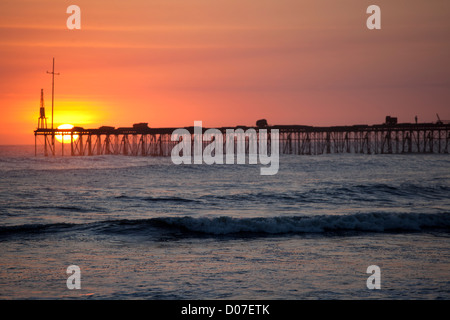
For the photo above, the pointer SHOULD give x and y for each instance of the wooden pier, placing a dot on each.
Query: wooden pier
(140, 140)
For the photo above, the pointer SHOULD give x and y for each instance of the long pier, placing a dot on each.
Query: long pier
(140, 140)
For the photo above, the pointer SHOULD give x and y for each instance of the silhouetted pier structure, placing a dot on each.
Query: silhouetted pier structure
(140, 140)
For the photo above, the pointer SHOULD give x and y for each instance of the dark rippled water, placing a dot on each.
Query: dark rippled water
(144, 228)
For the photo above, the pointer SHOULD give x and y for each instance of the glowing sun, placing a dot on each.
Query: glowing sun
(66, 137)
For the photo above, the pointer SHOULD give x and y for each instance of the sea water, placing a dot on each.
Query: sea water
(145, 228)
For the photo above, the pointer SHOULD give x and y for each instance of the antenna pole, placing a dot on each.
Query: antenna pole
(53, 98)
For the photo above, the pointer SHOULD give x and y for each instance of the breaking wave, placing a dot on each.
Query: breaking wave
(190, 226)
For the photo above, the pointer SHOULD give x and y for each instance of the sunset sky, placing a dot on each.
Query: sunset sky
(224, 62)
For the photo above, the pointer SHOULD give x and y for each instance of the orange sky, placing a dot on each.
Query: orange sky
(224, 62)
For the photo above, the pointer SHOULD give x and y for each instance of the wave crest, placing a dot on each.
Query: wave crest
(365, 222)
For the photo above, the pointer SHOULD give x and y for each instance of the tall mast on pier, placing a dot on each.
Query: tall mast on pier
(53, 98)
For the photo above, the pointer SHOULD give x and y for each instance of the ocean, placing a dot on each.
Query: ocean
(145, 228)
